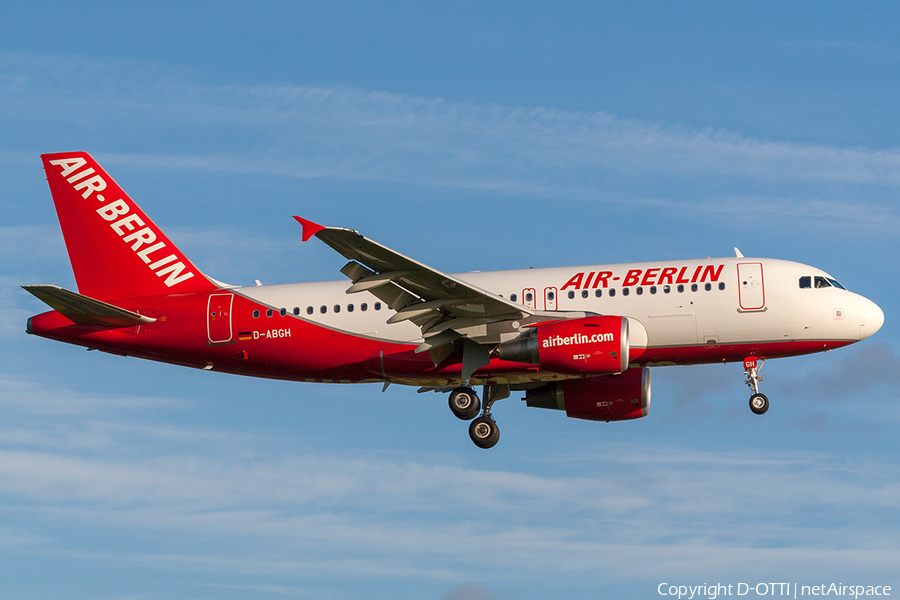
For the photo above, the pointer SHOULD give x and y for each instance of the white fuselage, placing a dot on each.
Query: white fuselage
(672, 304)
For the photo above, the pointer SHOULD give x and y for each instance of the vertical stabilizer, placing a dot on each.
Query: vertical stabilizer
(115, 249)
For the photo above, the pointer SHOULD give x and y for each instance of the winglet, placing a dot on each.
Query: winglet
(309, 228)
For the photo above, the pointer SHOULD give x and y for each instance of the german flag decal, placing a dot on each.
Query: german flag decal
(245, 335)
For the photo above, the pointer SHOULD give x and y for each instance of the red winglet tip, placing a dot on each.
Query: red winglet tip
(309, 228)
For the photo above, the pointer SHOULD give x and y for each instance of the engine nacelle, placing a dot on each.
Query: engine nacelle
(604, 398)
(586, 346)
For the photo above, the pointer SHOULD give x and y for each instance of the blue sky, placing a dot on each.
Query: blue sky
(468, 136)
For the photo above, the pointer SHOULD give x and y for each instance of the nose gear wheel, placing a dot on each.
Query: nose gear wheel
(759, 404)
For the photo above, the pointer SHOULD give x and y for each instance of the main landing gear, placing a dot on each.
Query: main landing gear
(465, 405)
(759, 404)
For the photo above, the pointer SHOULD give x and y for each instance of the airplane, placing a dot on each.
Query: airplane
(576, 339)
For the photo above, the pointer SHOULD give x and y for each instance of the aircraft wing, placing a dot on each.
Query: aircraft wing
(444, 307)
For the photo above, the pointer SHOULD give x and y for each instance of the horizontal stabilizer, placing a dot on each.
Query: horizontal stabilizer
(84, 310)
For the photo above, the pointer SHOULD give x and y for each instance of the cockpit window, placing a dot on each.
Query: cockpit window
(821, 282)
(805, 282)
(836, 284)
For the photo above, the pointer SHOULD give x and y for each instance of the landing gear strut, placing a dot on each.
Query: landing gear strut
(759, 404)
(484, 430)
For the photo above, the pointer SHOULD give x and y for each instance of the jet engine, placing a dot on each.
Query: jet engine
(586, 346)
(603, 398)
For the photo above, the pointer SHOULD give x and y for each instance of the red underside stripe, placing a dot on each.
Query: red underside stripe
(312, 351)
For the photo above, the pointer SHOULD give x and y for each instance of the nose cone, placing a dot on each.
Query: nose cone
(871, 318)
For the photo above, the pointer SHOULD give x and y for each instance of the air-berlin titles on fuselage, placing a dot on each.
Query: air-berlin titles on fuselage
(141, 240)
(654, 276)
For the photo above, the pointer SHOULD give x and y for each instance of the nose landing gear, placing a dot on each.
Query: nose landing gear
(759, 404)
(464, 403)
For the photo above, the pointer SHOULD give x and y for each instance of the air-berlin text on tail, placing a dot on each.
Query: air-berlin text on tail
(143, 241)
(653, 276)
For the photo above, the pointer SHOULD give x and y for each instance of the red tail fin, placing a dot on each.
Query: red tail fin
(115, 249)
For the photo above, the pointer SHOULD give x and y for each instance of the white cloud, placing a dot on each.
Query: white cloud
(279, 590)
(23, 395)
(10, 538)
(538, 152)
(608, 512)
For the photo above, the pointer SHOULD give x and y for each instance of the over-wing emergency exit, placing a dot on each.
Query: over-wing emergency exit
(575, 339)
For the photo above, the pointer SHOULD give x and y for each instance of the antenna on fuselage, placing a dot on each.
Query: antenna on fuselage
(738, 254)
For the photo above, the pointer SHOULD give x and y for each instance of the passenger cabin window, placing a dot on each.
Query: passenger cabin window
(598, 292)
(707, 287)
(571, 295)
(349, 308)
(296, 310)
(255, 314)
(364, 307)
(512, 297)
(378, 306)
(721, 285)
(693, 287)
(269, 312)
(821, 282)
(282, 312)
(805, 282)
(584, 293)
(652, 289)
(612, 293)
(625, 291)
(309, 310)
(337, 308)
(323, 309)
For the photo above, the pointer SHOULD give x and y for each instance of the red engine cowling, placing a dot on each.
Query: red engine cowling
(586, 346)
(604, 398)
